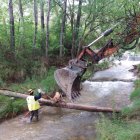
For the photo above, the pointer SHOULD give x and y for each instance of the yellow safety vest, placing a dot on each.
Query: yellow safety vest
(32, 104)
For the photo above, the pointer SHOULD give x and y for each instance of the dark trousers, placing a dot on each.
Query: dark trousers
(34, 113)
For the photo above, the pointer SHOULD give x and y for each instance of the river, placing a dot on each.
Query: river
(110, 88)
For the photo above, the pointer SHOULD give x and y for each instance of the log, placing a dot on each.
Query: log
(61, 104)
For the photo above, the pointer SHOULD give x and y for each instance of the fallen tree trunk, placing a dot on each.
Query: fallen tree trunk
(61, 104)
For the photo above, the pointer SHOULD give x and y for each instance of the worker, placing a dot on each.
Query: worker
(33, 104)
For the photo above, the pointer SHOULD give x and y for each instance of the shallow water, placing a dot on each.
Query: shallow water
(64, 124)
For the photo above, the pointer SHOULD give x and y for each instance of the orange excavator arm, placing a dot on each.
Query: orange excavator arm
(104, 52)
(69, 77)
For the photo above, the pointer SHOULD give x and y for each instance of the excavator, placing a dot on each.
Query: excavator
(69, 77)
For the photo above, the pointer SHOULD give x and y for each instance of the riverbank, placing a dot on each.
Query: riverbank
(11, 107)
(127, 126)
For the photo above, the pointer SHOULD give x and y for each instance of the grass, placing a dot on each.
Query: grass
(127, 126)
(133, 111)
(135, 94)
(10, 107)
(94, 68)
(46, 83)
(118, 130)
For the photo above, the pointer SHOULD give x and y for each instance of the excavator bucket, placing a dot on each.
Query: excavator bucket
(69, 78)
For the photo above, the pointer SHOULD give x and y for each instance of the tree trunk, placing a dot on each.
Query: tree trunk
(61, 104)
(36, 23)
(7, 41)
(21, 41)
(12, 30)
(62, 33)
(72, 30)
(78, 19)
(76, 29)
(47, 27)
(42, 26)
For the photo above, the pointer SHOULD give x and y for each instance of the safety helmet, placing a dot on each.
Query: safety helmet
(30, 91)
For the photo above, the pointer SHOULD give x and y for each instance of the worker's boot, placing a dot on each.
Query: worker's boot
(31, 116)
(36, 115)
(37, 119)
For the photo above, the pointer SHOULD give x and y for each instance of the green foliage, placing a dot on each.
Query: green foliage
(135, 94)
(11, 107)
(137, 84)
(94, 68)
(49, 84)
(117, 130)
(18, 105)
(102, 66)
(25, 63)
(46, 83)
(88, 74)
(133, 111)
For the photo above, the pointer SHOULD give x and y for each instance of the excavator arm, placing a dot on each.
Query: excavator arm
(69, 77)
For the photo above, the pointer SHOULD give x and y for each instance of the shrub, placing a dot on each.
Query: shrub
(11, 107)
(117, 130)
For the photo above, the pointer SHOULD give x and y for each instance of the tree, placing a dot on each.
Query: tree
(42, 26)
(71, 7)
(77, 25)
(21, 41)
(12, 31)
(76, 30)
(47, 26)
(62, 33)
(36, 22)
